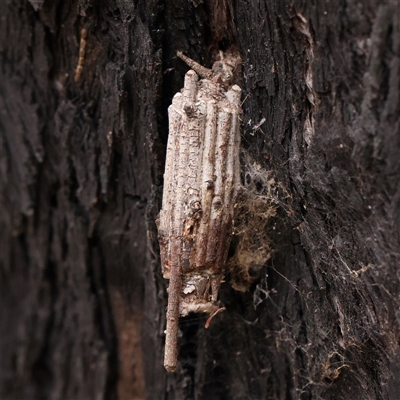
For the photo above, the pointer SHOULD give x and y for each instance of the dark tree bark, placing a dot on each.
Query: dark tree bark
(81, 166)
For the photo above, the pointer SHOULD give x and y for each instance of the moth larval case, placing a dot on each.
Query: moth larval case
(201, 179)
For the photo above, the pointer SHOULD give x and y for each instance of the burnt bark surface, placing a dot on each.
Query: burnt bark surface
(81, 165)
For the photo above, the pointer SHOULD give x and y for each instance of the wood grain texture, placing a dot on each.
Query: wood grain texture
(81, 175)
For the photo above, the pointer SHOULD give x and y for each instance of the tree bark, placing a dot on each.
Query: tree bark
(81, 166)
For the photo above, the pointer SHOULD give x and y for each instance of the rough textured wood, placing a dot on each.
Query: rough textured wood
(81, 169)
